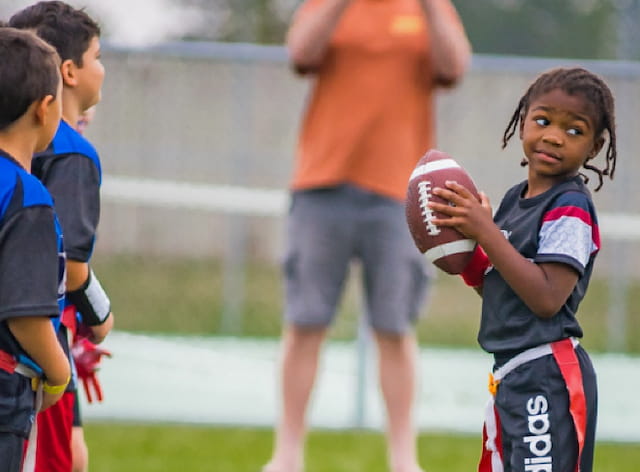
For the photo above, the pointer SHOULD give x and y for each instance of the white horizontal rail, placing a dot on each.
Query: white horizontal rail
(268, 202)
(207, 197)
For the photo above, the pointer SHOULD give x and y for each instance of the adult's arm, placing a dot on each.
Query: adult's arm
(309, 34)
(450, 47)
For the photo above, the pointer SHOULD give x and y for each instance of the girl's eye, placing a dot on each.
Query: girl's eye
(574, 131)
(542, 121)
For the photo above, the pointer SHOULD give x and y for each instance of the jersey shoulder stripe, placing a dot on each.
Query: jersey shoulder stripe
(12, 177)
(569, 230)
(68, 141)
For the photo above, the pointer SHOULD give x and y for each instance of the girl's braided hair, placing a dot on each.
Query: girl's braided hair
(574, 81)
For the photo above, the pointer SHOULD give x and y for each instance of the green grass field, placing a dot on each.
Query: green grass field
(156, 295)
(185, 297)
(169, 448)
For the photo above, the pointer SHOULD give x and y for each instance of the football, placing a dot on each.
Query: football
(447, 248)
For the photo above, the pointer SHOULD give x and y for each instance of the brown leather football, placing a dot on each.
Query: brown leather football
(447, 248)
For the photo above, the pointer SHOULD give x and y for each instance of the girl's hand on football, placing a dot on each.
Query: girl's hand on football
(464, 211)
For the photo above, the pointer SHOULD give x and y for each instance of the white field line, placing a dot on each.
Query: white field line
(268, 202)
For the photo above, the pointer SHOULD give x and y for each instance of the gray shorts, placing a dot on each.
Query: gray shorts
(327, 229)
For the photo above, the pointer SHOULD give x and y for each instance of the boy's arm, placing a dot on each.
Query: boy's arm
(544, 287)
(37, 337)
(79, 277)
(74, 182)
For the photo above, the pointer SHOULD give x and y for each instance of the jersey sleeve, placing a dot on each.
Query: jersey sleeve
(569, 232)
(29, 264)
(74, 183)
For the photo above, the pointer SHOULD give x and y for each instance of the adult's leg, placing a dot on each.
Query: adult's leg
(396, 279)
(316, 263)
(299, 364)
(397, 356)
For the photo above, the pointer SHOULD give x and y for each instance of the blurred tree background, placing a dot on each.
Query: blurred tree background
(581, 29)
(585, 29)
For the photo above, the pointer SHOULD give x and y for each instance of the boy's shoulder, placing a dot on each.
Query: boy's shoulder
(14, 177)
(68, 141)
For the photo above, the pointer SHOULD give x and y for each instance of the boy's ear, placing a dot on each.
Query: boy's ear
(41, 108)
(597, 146)
(68, 73)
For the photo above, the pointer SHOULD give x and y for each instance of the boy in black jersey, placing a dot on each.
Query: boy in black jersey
(31, 253)
(70, 169)
(532, 267)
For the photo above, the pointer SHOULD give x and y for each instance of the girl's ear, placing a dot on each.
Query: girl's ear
(597, 147)
(521, 128)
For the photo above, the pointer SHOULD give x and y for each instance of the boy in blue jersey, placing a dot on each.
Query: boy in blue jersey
(70, 169)
(539, 251)
(31, 255)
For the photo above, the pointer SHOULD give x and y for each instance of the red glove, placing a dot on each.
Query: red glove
(473, 274)
(82, 331)
(87, 357)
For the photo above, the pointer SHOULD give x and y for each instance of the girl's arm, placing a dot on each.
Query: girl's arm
(544, 288)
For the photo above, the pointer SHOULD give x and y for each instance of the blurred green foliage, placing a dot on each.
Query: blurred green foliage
(584, 29)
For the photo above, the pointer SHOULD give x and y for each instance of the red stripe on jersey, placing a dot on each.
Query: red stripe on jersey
(573, 211)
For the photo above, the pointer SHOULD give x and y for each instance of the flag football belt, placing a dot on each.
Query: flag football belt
(564, 353)
(10, 364)
(69, 319)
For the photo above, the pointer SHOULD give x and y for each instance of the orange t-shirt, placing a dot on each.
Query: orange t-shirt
(370, 115)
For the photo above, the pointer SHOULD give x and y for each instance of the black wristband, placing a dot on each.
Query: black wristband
(91, 301)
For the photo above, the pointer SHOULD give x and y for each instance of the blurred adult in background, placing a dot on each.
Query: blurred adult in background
(376, 65)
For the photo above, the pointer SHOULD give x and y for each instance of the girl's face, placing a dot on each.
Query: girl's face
(558, 136)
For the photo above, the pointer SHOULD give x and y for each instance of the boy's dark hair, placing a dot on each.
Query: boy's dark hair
(29, 72)
(68, 29)
(574, 81)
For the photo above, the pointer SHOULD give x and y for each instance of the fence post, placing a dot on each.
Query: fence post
(235, 251)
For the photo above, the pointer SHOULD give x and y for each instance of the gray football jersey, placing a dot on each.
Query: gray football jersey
(559, 225)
